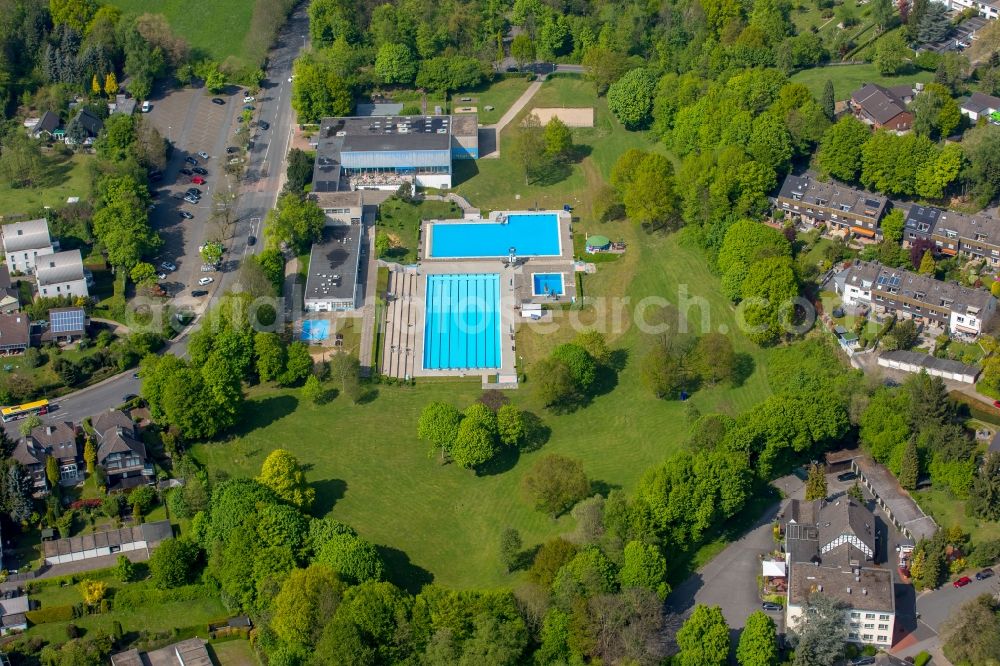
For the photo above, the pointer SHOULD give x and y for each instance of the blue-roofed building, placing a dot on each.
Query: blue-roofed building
(66, 325)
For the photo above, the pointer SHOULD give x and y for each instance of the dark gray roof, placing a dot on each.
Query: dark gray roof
(333, 263)
(368, 110)
(151, 533)
(49, 122)
(879, 103)
(91, 123)
(119, 440)
(58, 437)
(154, 533)
(811, 527)
(969, 227)
(900, 505)
(930, 362)
(884, 279)
(979, 102)
(922, 219)
(28, 453)
(867, 589)
(113, 418)
(14, 330)
(833, 195)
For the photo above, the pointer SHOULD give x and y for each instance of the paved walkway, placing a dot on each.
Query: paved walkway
(68, 568)
(508, 117)
(369, 296)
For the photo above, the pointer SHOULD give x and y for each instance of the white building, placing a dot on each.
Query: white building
(986, 8)
(99, 544)
(61, 274)
(23, 242)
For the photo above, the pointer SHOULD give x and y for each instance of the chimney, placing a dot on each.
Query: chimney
(819, 588)
(848, 590)
(857, 579)
(864, 591)
(50, 429)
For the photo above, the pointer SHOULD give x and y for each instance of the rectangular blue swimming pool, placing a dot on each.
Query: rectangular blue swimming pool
(315, 330)
(547, 284)
(531, 234)
(462, 322)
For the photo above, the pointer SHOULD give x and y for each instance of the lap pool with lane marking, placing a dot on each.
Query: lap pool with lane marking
(532, 234)
(462, 322)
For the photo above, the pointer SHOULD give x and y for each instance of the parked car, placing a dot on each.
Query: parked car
(251, 240)
(190, 160)
(218, 100)
(249, 107)
(996, 403)
(194, 191)
(155, 175)
(146, 106)
(186, 172)
(191, 199)
(768, 606)
(198, 292)
(202, 154)
(984, 574)
(162, 276)
(186, 215)
(264, 125)
(197, 180)
(205, 281)
(208, 268)
(235, 160)
(168, 266)
(962, 582)
(232, 149)
(863, 661)
(200, 171)
(847, 476)
(248, 99)
(129, 397)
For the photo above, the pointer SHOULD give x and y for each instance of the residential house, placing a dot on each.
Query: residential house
(190, 652)
(65, 325)
(32, 457)
(980, 105)
(953, 233)
(883, 108)
(62, 274)
(15, 333)
(831, 203)
(14, 607)
(10, 296)
(961, 311)
(120, 452)
(59, 441)
(90, 124)
(23, 242)
(830, 549)
(989, 9)
(48, 127)
(123, 104)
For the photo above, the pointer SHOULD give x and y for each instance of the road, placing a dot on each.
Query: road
(265, 173)
(938, 605)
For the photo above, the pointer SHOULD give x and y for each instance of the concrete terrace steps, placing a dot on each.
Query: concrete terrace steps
(399, 347)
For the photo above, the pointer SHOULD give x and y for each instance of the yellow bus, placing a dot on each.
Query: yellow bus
(23, 411)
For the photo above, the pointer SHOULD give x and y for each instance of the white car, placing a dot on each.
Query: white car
(161, 276)
(203, 155)
(168, 266)
(248, 99)
(146, 106)
(205, 280)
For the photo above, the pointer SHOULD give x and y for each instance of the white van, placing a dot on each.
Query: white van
(145, 106)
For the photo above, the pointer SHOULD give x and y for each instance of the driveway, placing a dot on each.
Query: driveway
(936, 606)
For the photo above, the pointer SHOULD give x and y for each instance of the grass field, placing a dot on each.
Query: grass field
(848, 78)
(65, 177)
(217, 29)
(402, 222)
(234, 653)
(948, 512)
(499, 94)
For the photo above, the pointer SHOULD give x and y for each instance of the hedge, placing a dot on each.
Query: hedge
(51, 614)
(133, 598)
(977, 409)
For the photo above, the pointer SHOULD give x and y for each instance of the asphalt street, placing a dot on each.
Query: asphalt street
(258, 195)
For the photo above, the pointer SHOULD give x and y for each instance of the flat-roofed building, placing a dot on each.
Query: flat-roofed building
(831, 203)
(334, 264)
(143, 537)
(23, 242)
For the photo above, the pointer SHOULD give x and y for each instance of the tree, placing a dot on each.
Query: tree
(308, 599)
(172, 563)
(984, 495)
(891, 54)
(510, 548)
(476, 439)
(549, 559)
(438, 425)
(125, 570)
(972, 634)
(299, 170)
(395, 64)
(29, 424)
(345, 370)
(143, 274)
(93, 591)
(522, 49)
(511, 427)
(663, 372)
(821, 632)
(312, 390)
(95, 86)
(269, 349)
(816, 483)
(651, 199)
(351, 557)
(319, 90)
(558, 140)
(76, 14)
(935, 113)
(982, 149)
(840, 149)
(643, 565)
(110, 85)
(52, 471)
(938, 174)
(582, 367)
(298, 364)
(630, 98)
(892, 226)
(758, 642)
(555, 483)
(910, 467)
(769, 289)
(555, 385)
(934, 25)
(21, 160)
(927, 265)
(529, 148)
(282, 473)
(704, 638)
(603, 66)
(713, 358)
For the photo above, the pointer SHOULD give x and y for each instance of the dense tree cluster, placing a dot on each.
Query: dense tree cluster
(478, 435)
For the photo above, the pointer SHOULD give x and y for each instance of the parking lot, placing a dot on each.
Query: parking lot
(192, 123)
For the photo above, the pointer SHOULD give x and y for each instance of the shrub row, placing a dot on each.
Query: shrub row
(51, 614)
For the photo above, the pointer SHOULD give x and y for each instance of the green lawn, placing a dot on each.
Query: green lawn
(65, 177)
(948, 511)
(234, 653)
(217, 29)
(402, 222)
(848, 78)
(499, 94)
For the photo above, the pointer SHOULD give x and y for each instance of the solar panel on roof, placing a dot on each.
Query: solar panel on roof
(872, 203)
(66, 321)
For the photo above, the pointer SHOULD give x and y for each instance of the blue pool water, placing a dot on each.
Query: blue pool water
(462, 323)
(548, 284)
(315, 330)
(533, 234)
